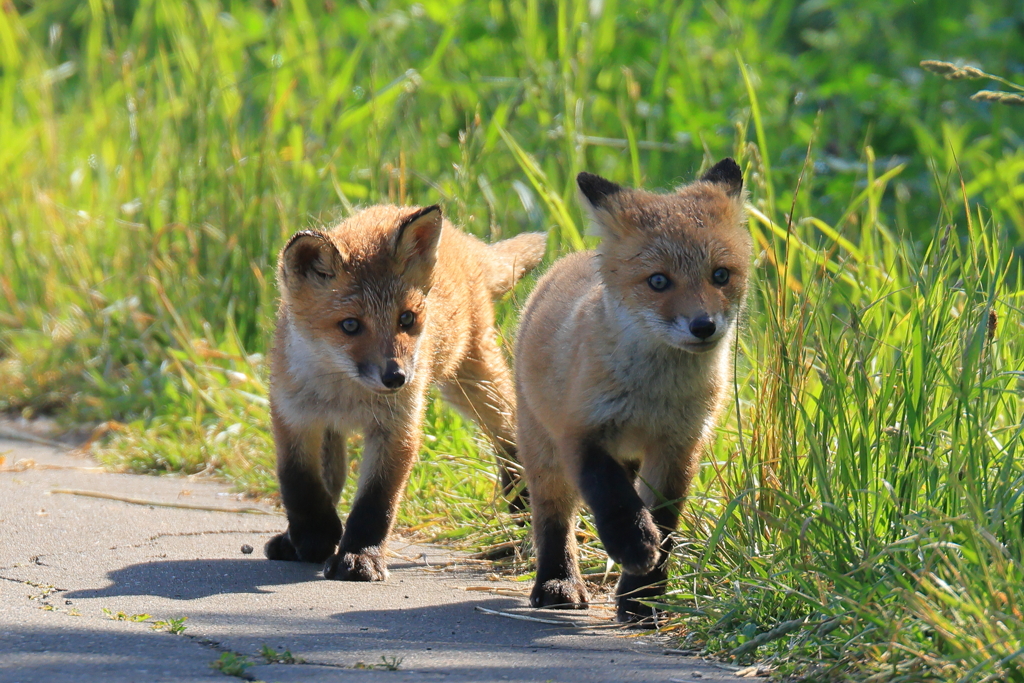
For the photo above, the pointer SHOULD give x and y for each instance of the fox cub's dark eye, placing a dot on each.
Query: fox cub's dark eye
(720, 276)
(406, 320)
(658, 282)
(349, 325)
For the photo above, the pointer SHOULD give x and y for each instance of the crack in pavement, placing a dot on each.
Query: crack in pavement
(27, 582)
(182, 534)
(185, 534)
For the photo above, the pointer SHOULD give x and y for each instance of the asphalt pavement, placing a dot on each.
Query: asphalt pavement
(105, 589)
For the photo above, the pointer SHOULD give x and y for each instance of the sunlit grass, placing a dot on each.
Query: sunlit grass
(858, 515)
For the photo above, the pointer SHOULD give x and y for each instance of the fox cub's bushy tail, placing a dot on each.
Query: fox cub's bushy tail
(508, 260)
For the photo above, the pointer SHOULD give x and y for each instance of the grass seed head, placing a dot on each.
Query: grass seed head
(937, 67)
(1000, 96)
(966, 73)
(951, 71)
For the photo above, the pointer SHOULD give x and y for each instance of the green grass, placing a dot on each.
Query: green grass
(231, 664)
(858, 515)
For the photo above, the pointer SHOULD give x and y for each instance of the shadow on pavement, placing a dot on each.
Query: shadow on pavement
(82, 655)
(73, 655)
(456, 624)
(450, 642)
(191, 579)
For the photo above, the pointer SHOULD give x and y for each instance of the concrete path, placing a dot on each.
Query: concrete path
(70, 565)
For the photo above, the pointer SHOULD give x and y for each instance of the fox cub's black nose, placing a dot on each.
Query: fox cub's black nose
(392, 377)
(702, 327)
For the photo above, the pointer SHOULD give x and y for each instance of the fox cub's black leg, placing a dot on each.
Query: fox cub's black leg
(664, 479)
(387, 459)
(634, 587)
(625, 526)
(558, 582)
(314, 527)
(554, 501)
(361, 556)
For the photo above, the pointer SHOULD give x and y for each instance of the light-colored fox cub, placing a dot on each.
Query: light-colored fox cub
(622, 362)
(372, 312)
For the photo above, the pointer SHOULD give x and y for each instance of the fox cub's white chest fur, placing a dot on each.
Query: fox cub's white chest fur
(653, 387)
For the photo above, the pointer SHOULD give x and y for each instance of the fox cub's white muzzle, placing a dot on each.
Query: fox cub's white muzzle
(699, 333)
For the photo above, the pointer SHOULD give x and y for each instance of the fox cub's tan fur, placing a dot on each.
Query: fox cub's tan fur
(372, 312)
(622, 362)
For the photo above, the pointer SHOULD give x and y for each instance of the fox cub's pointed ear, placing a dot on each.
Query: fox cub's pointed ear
(598, 195)
(416, 241)
(596, 189)
(728, 175)
(309, 258)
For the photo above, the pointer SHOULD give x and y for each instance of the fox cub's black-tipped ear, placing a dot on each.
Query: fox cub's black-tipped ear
(597, 196)
(417, 239)
(595, 188)
(728, 174)
(309, 256)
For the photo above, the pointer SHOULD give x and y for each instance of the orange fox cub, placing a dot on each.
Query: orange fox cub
(622, 362)
(372, 312)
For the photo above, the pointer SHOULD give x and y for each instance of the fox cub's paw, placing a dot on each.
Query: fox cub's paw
(634, 546)
(305, 548)
(637, 614)
(632, 589)
(560, 594)
(280, 548)
(631, 611)
(368, 565)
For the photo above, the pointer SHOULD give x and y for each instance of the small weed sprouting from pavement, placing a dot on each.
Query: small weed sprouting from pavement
(122, 616)
(272, 656)
(231, 664)
(390, 663)
(46, 590)
(175, 626)
(386, 664)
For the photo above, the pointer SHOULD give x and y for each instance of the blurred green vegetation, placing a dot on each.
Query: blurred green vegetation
(863, 495)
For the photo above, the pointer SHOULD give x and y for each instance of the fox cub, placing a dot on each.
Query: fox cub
(372, 312)
(622, 362)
